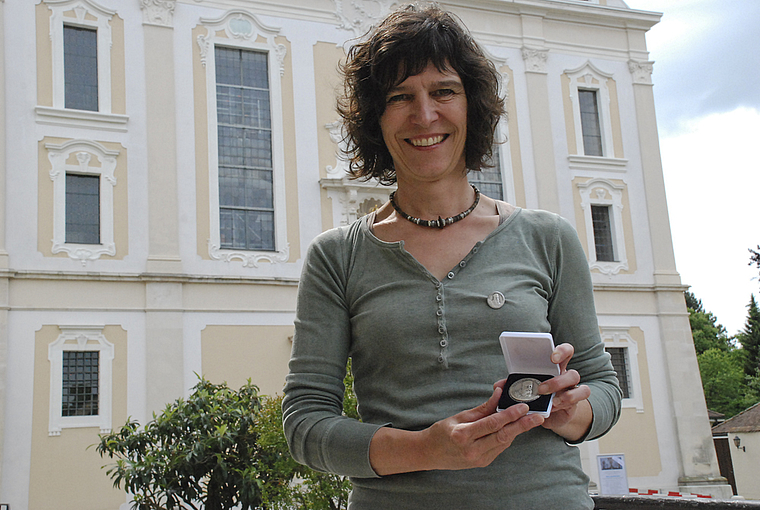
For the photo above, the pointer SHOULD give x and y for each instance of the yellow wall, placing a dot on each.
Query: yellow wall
(118, 67)
(69, 472)
(636, 433)
(44, 56)
(234, 354)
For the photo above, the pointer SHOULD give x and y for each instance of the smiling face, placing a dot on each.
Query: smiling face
(424, 126)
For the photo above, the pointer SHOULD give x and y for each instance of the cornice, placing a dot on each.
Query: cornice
(145, 277)
(325, 11)
(638, 287)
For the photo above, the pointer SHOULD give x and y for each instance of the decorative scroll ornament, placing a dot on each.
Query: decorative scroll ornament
(158, 12)
(249, 259)
(341, 167)
(241, 26)
(535, 59)
(360, 16)
(641, 71)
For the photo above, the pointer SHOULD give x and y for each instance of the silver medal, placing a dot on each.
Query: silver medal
(525, 390)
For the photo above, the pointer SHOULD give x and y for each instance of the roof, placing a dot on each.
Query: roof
(746, 421)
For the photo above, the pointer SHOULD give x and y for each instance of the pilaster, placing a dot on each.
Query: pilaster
(163, 200)
(4, 277)
(541, 127)
(697, 462)
(164, 344)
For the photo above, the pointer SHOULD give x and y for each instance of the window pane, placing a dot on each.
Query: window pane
(600, 217)
(82, 209)
(488, 180)
(246, 192)
(592, 133)
(80, 63)
(80, 383)
(619, 358)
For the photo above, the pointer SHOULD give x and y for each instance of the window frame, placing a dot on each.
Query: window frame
(602, 192)
(244, 31)
(81, 338)
(620, 337)
(84, 151)
(588, 77)
(85, 11)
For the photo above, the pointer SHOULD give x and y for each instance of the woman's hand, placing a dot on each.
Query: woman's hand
(472, 438)
(571, 414)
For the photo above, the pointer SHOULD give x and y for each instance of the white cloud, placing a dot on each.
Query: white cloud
(712, 178)
(708, 111)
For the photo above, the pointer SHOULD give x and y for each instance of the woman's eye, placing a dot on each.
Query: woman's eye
(444, 92)
(398, 97)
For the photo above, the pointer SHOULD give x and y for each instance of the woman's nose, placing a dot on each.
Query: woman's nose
(425, 111)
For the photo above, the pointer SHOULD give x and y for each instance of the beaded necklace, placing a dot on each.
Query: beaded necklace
(440, 222)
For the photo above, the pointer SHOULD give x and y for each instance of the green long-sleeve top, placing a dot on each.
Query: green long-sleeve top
(423, 350)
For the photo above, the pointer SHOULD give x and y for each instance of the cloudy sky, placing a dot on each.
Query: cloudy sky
(707, 95)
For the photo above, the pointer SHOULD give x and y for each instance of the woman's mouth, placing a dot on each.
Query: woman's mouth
(427, 142)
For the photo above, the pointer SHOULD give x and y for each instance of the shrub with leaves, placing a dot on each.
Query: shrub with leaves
(200, 452)
(219, 449)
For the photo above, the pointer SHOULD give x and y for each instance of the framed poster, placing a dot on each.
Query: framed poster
(613, 478)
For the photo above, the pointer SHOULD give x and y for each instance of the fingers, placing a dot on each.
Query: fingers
(571, 397)
(562, 354)
(568, 379)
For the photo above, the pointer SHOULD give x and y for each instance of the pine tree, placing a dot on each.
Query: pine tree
(750, 340)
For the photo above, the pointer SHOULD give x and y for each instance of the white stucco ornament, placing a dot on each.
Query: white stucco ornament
(158, 12)
(360, 16)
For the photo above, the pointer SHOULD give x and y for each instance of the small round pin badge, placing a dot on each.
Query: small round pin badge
(496, 300)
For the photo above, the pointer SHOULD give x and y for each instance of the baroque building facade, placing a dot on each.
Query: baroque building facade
(165, 163)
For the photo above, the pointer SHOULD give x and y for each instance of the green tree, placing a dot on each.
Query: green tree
(705, 330)
(217, 450)
(749, 339)
(724, 382)
(203, 451)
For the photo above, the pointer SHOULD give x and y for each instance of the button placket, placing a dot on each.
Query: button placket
(442, 331)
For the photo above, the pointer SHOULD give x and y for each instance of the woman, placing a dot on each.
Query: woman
(405, 293)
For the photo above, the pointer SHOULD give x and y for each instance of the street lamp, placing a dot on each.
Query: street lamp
(738, 442)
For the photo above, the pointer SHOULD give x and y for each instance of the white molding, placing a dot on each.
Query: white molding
(81, 119)
(82, 9)
(242, 30)
(351, 198)
(80, 338)
(589, 77)
(597, 163)
(85, 150)
(604, 192)
(619, 337)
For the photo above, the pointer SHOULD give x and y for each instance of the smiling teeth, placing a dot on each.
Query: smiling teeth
(427, 142)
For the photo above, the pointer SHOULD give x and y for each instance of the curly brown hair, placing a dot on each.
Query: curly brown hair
(402, 46)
